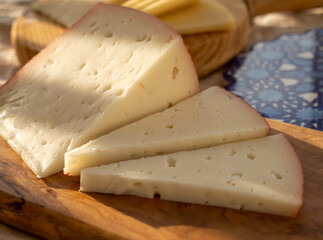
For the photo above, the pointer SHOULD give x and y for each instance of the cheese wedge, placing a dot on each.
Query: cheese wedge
(201, 16)
(205, 16)
(115, 66)
(262, 175)
(158, 7)
(67, 12)
(212, 117)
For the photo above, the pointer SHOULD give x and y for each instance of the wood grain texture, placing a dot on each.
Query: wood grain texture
(32, 32)
(54, 208)
(259, 7)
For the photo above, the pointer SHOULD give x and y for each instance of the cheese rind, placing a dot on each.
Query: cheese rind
(212, 117)
(96, 77)
(262, 175)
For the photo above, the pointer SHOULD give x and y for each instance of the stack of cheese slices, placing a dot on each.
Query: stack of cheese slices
(76, 105)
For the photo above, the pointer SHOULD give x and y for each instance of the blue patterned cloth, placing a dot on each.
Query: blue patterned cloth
(283, 79)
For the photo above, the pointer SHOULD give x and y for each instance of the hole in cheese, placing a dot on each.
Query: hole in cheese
(237, 174)
(175, 73)
(119, 92)
(232, 152)
(157, 195)
(277, 176)
(171, 162)
(93, 24)
(108, 34)
(142, 38)
(251, 156)
(82, 66)
(107, 88)
(230, 182)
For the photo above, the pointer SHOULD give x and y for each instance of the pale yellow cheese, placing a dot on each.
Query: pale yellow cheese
(212, 117)
(115, 66)
(262, 175)
(158, 7)
(206, 16)
(201, 16)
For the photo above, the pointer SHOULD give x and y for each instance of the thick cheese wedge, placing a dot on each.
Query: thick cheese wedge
(158, 7)
(115, 66)
(196, 17)
(262, 175)
(205, 16)
(212, 117)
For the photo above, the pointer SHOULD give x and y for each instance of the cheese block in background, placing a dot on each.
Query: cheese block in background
(212, 117)
(201, 16)
(205, 16)
(158, 7)
(66, 12)
(262, 175)
(115, 66)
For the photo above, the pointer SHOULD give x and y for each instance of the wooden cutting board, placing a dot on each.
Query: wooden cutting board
(53, 207)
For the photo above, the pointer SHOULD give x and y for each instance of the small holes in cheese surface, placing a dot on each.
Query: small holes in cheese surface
(171, 162)
(175, 73)
(276, 175)
(251, 156)
(232, 152)
(108, 35)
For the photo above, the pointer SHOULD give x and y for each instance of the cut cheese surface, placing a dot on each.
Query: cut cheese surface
(212, 117)
(205, 16)
(195, 17)
(262, 175)
(115, 66)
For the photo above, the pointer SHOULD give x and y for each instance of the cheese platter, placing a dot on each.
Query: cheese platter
(152, 71)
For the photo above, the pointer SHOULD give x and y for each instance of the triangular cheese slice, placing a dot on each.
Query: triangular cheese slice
(115, 66)
(262, 175)
(212, 117)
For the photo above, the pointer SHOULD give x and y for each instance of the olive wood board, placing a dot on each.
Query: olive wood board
(54, 208)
